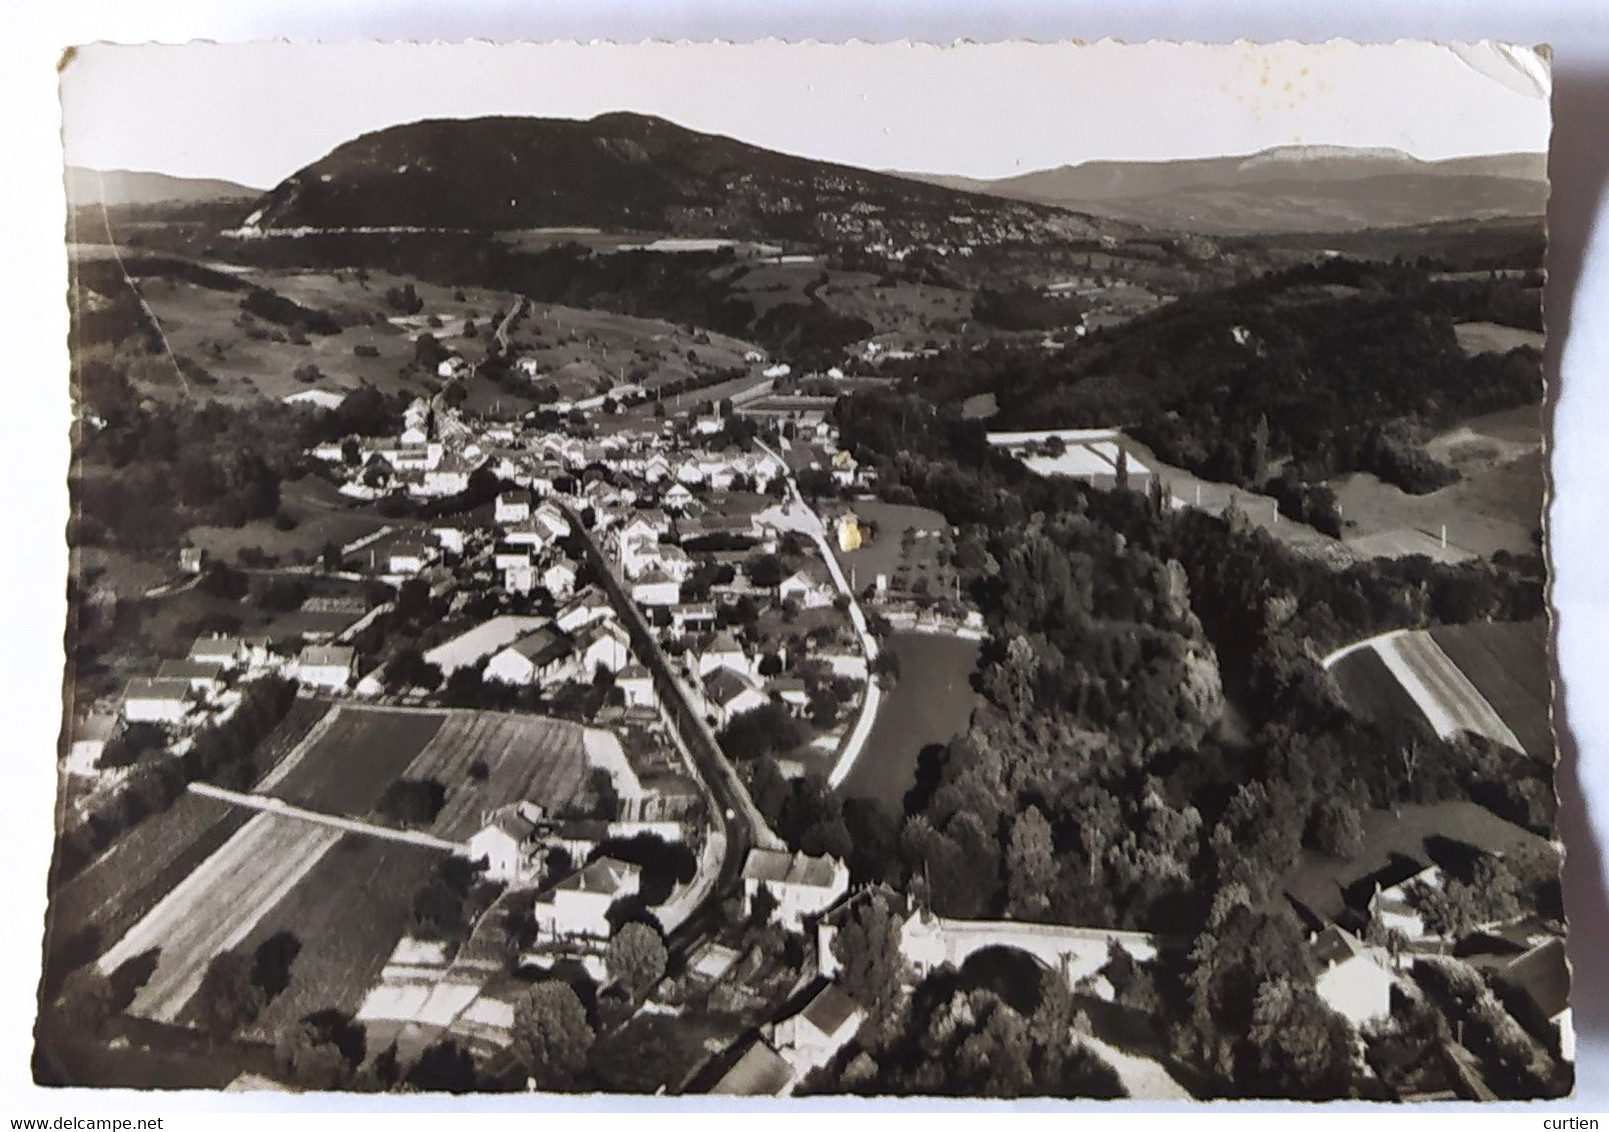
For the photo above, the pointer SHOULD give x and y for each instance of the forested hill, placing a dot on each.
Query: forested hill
(1329, 364)
(632, 172)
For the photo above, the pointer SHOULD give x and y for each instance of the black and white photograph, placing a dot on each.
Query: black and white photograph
(799, 570)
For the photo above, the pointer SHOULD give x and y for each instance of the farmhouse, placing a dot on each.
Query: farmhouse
(636, 683)
(579, 904)
(730, 694)
(512, 507)
(483, 640)
(585, 608)
(605, 644)
(1355, 979)
(656, 588)
(326, 666)
(204, 676)
(760, 1072)
(810, 1038)
(510, 843)
(810, 585)
(539, 657)
(802, 885)
(1538, 986)
(153, 700)
(226, 652)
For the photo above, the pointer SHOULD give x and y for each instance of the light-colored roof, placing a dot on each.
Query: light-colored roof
(157, 688)
(606, 876)
(634, 672)
(327, 655)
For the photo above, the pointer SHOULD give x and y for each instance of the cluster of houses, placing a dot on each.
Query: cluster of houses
(1366, 925)
(201, 685)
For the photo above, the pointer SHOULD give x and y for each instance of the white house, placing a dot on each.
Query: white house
(153, 700)
(205, 677)
(695, 617)
(327, 666)
(512, 507)
(579, 904)
(809, 1039)
(560, 577)
(526, 532)
(801, 885)
(409, 554)
(656, 588)
(509, 842)
(226, 652)
(552, 520)
(677, 498)
(1355, 980)
(722, 651)
(810, 585)
(585, 608)
(519, 578)
(637, 684)
(1392, 908)
(606, 644)
(730, 694)
(508, 554)
(449, 537)
(316, 398)
(540, 657)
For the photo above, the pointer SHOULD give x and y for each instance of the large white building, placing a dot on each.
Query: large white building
(326, 666)
(801, 885)
(579, 905)
(154, 700)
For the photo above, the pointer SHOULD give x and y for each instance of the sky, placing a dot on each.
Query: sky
(255, 113)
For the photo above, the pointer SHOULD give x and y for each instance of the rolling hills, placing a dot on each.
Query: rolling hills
(135, 187)
(1286, 189)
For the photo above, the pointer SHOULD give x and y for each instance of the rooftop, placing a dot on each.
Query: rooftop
(760, 1072)
(772, 866)
(830, 1009)
(606, 876)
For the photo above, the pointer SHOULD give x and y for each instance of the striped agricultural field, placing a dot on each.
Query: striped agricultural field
(1489, 679)
(216, 907)
(526, 757)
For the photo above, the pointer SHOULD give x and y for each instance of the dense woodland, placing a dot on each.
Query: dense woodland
(1159, 741)
(1336, 367)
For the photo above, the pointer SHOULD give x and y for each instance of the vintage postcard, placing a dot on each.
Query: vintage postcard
(790, 570)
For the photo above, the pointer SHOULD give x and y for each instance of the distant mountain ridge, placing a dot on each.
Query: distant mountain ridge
(133, 186)
(620, 171)
(1285, 189)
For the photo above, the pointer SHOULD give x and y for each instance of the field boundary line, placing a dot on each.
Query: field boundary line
(293, 758)
(281, 808)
